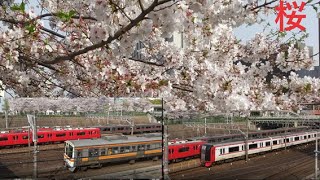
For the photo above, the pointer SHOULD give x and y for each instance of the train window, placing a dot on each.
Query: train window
(184, 149)
(127, 149)
(233, 149)
(81, 133)
(287, 140)
(252, 146)
(79, 154)
(148, 147)
(222, 151)
(102, 152)
(134, 148)
(305, 137)
(108, 129)
(3, 138)
(268, 143)
(296, 138)
(41, 136)
(93, 152)
(115, 150)
(153, 146)
(24, 137)
(308, 136)
(113, 129)
(138, 127)
(61, 135)
(121, 149)
(140, 147)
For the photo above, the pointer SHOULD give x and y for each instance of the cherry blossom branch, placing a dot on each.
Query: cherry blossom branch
(147, 62)
(122, 10)
(179, 87)
(119, 33)
(264, 4)
(52, 32)
(141, 5)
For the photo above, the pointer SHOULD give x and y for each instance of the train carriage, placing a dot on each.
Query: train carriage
(95, 152)
(126, 129)
(215, 152)
(46, 135)
(180, 150)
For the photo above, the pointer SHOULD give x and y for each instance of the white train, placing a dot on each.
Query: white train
(213, 152)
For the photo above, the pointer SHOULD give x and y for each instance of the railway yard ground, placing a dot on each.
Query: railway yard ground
(18, 163)
(294, 163)
(82, 121)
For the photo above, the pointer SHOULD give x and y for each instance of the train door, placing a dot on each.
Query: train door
(206, 153)
(15, 139)
(141, 149)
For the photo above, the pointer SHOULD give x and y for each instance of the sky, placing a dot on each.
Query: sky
(310, 23)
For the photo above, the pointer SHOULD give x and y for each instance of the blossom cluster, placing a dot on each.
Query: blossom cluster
(86, 48)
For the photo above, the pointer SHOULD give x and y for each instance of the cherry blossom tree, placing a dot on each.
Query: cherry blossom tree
(85, 47)
(83, 105)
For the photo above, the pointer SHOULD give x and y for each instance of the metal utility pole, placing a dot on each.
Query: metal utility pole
(164, 145)
(6, 117)
(316, 159)
(246, 141)
(205, 126)
(33, 124)
(132, 126)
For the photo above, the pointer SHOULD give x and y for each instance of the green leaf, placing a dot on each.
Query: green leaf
(22, 6)
(31, 28)
(17, 7)
(64, 16)
(72, 13)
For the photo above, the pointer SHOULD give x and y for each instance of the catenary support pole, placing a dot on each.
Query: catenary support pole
(205, 126)
(316, 159)
(35, 159)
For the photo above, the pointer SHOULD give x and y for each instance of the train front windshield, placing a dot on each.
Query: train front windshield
(68, 150)
(205, 152)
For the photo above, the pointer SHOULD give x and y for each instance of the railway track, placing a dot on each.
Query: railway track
(274, 165)
(51, 166)
(42, 147)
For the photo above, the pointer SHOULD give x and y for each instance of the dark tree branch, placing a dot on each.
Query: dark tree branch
(141, 5)
(122, 10)
(177, 86)
(52, 32)
(264, 4)
(147, 62)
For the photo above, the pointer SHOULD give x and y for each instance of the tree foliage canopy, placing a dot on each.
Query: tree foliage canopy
(85, 47)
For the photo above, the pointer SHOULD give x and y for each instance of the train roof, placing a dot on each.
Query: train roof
(109, 141)
(238, 141)
(119, 125)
